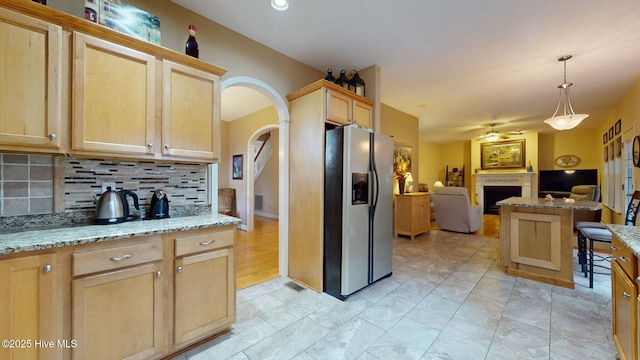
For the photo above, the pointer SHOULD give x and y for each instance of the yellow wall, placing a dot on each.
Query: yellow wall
(629, 112)
(240, 132)
(578, 142)
(430, 155)
(404, 129)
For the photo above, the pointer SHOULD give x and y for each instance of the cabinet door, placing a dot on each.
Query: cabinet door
(29, 306)
(204, 294)
(338, 108)
(190, 112)
(422, 217)
(362, 114)
(113, 97)
(624, 294)
(30, 83)
(118, 314)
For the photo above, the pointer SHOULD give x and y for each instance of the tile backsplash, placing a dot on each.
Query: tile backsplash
(28, 183)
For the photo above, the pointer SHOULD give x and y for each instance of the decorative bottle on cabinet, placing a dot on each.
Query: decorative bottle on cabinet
(191, 48)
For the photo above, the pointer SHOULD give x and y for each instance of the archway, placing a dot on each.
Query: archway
(283, 157)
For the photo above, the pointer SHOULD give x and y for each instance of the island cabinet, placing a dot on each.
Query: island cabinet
(204, 286)
(31, 91)
(30, 306)
(117, 300)
(624, 303)
(412, 214)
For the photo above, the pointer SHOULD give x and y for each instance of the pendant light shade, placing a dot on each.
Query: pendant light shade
(569, 119)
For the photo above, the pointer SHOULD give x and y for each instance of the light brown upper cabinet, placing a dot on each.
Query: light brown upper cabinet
(31, 89)
(190, 112)
(113, 97)
(345, 108)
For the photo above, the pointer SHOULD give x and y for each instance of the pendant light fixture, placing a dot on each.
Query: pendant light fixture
(280, 5)
(569, 119)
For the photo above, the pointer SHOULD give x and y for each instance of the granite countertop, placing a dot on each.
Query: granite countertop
(32, 240)
(628, 235)
(555, 204)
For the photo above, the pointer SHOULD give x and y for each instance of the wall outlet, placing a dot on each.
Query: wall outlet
(107, 184)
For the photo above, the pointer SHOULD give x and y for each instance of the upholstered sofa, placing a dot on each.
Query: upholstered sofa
(454, 211)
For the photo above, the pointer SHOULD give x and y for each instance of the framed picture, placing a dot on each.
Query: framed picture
(636, 151)
(605, 138)
(502, 155)
(401, 158)
(611, 133)
(618, 126)
(612, 152)
(237, 167)
(606, 153)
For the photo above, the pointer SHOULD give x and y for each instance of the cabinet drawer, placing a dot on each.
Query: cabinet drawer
(420, 200)
(193, 243)
(624, 257)
(115, 257)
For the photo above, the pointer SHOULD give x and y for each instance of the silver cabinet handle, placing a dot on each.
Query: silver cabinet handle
(149, 145)
(158, 273)
(124, 257)
(626, 294)
(179, 269)
(206, 243)
(613, 248)
(638, 279)
(623, 259)
(166, 146)
(47, 268)
(52, 136)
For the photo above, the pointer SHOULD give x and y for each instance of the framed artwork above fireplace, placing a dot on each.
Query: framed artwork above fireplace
(502, 155)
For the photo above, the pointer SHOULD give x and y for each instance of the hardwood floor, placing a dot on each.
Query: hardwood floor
(257, 253)
(257, 250)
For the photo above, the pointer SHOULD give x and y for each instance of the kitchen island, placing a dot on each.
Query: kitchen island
(536, 237)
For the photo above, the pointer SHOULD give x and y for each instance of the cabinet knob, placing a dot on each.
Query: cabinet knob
(623, 259)
(52, 136)
(47, 268)
(149, 145)
(626, 294)
(158, 273)
(166, 146)
(613, 248)
(179, 269)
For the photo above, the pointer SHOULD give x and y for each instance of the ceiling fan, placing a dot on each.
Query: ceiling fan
(494, 135)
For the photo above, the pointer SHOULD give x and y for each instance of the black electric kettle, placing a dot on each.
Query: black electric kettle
(113, 208)
(159, 205)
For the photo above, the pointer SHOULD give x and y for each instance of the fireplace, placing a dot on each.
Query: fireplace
(527, 182)
(493, 194)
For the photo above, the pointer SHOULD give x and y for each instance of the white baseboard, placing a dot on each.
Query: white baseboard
(263, 214)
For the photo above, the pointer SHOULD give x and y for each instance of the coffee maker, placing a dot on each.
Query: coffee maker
(159, 205)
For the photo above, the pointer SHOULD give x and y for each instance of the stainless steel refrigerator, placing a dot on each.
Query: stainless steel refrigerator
(358, 209)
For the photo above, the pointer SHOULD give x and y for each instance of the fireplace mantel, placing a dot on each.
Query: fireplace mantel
(528, 181)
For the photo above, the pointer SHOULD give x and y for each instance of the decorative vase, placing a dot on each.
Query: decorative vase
(401, 186)
(529, 167)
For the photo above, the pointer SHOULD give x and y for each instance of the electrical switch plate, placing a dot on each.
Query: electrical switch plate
(106, 184)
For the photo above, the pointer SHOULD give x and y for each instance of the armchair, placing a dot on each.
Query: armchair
(585, 192)
(454, 211)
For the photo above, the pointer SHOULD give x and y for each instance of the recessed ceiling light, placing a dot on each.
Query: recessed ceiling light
(280, 5)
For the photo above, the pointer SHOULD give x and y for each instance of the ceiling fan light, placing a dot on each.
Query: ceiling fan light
(280, 5)
(491, 137)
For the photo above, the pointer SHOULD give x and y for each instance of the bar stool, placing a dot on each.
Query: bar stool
(594, 231)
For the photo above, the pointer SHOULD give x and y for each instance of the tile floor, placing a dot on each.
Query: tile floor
(447, 299)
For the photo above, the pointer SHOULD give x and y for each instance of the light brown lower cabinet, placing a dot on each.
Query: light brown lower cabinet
(204, 284)
(412, 214)
(30, 307)
(624, 303)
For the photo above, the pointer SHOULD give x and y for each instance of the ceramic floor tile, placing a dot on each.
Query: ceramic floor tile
(493, 288)
(346, 342)
(482, 311)
(529, 311)
(407, 340)
(455, 289)
(461, 340)
(517, 340)
(434, 311)
(388, 311)
(288, 342)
